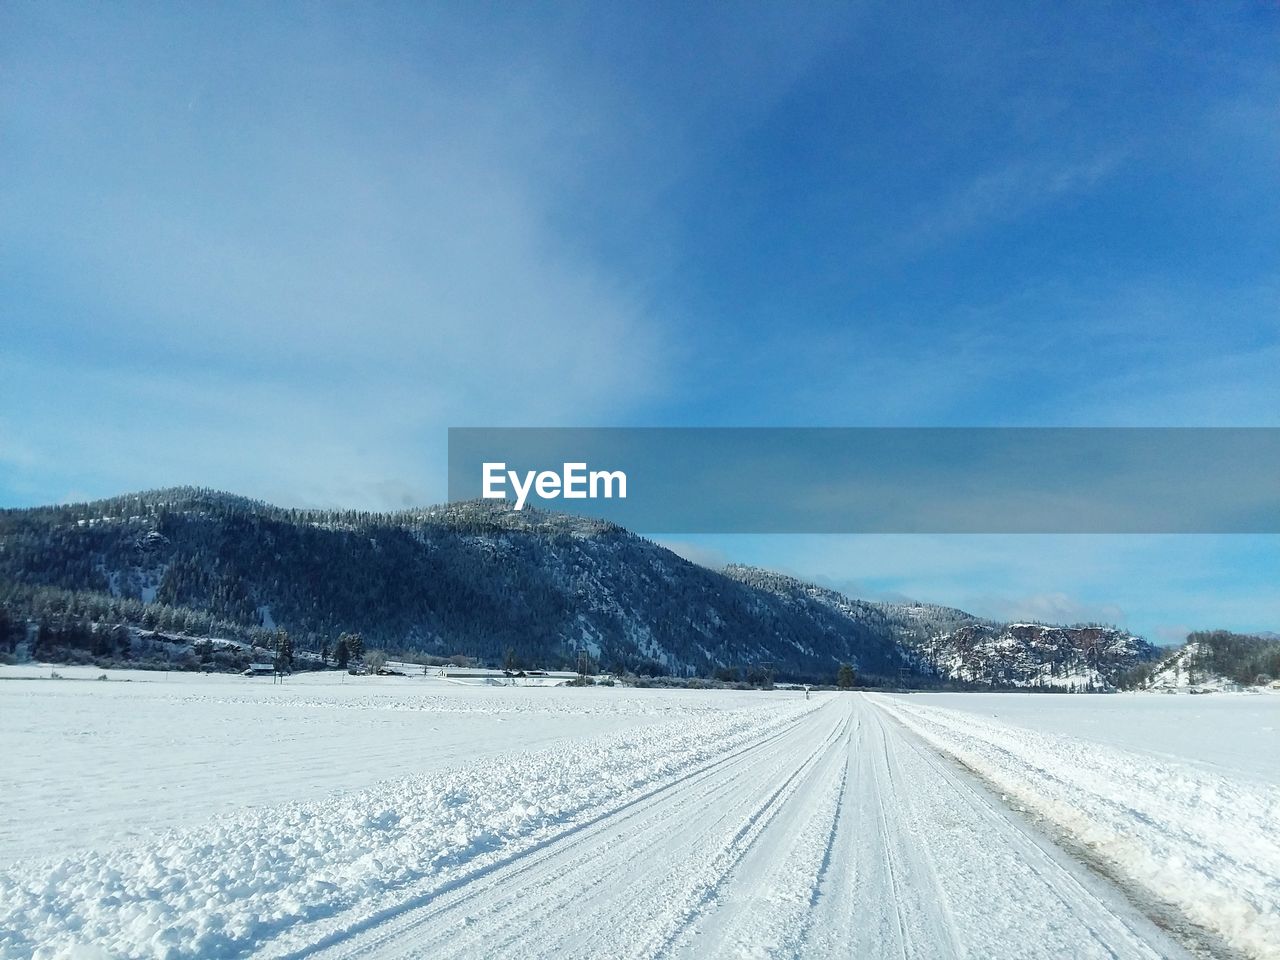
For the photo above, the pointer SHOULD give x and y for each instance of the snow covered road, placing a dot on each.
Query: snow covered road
(773, 827)
(1191, 842)
(840, 837)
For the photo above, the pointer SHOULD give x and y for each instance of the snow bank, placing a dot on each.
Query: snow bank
(484, 702)
(1203, 843)
(288, 875)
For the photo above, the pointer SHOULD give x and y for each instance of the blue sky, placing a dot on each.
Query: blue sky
(278, 250)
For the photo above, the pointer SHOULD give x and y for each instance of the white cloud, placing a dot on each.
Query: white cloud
(1055, 607)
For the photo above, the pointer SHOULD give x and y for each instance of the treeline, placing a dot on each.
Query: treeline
(20, 603)
(66, 626)
(63, 626)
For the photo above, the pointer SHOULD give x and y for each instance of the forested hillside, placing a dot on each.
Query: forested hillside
(1212, 658)
(471, 578)
(480, 579)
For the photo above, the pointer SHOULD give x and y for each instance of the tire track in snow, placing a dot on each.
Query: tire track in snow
(1019, 863)
(1073, 895)
(911, 868)
(594, 879)
(704, 892)
(1135, 821)
(770, 905)
(922, 867)
(578, 847)
(839, 836)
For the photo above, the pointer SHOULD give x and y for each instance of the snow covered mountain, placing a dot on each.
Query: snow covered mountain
(474, 578)
(953, 645)
(478, 578)
(1034, 655)
(1217, 660)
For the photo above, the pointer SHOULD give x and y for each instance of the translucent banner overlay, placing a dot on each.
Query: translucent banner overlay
(884, 480)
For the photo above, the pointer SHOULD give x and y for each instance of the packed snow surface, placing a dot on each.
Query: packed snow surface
(397, 817)
(1192, 837)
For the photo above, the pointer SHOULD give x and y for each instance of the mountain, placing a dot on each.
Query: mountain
(953, 645)
(1036, 655)
(478, 578)
(474, 578)
(1216, 660)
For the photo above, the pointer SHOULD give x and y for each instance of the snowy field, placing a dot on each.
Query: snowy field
(195, 816)
(89, 763)
(1236, 734)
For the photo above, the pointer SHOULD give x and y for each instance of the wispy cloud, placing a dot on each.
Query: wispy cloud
(292, 289)
(1055, 607)
(999, 196)
(375, 229)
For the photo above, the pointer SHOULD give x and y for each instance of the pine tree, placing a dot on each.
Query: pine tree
(284, 651)
(342, 652)
(844, 676)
